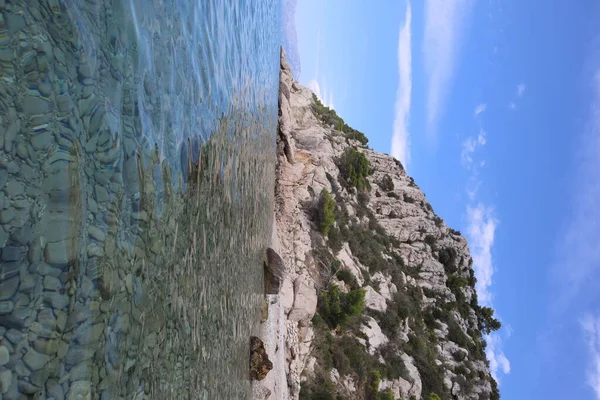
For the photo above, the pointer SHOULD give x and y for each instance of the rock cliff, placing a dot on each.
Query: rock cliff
(376, 298)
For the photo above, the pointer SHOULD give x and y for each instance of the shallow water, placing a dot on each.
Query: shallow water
(137, 143)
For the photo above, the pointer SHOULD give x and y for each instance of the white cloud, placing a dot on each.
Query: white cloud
(324, 95)
(480, 108)
(512, 105)
(400, 138)
(481, 229)
(520, 89)
(591, 331)
(578, 263)
(318, 83)
(494, 353)
(470, 145)
(445, 21)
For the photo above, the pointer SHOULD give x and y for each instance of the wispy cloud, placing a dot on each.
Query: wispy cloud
(520, 89)
(494, 353)
(512, 105)
(578, 264)
(319, 83)
(445, 21)
(324, 95)
(468, 148)
(480, 108)
(400, 138)
(481, 230)
(591, 331)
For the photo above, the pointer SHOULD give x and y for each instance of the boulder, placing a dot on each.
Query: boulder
(274, 271)
(260, 365)
(305, 300)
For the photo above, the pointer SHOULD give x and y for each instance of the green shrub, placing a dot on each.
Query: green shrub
(346, 276)
(330, 117)
(487, 322)
(372, 387)
(355, 168)
(325, 212)
(433, 396)
(337, 308)
(335, 239)
(387, 395)
(319, 389)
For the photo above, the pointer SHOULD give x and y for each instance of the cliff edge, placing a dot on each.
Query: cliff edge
(375, 295)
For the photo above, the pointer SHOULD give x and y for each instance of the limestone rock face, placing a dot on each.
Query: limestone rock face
(431, 272)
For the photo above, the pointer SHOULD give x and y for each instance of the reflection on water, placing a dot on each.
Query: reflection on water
(136, 176)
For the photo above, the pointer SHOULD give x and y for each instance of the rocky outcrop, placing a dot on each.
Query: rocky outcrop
(420, 319)
(260, 365)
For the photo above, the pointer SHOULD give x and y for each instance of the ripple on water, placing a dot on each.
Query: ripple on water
(137, 160)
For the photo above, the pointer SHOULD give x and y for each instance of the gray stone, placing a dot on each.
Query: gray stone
(35, 105)
(22, 151)
(45, 269)
(28, 282)
(9, 287)
(3, 180)
(57, 253)
(7, 216)
(88, 334)
(6, 307)
(56, 300)
(11, 253)
(10, 135)
(54, 390)
(14, 188)
(5, 380)
(3, 236)
(9, 269)
(42, 141)
(13, 336)
(96, 233)
(52, 284)
(81, 371)
(35, 360)
(4, 355)
(27, 388)
(14, 23)
(80, 390)
(34, 254)
(47, 319)
(11, 322)
(101, 194)
(39, 377)
(77, 354)
(46, 346)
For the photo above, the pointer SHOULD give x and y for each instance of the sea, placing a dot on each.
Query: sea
(137, 168)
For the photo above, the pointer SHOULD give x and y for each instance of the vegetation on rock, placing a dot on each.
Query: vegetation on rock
(355, 168)
(329, 117)
(326, 208)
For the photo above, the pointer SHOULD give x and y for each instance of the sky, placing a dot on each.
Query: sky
(494, 108)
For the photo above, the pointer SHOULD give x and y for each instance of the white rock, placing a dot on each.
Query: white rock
(374, 300)
(375, 337)
(305, 300)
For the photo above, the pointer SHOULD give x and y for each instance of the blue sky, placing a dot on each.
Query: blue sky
(494, 106)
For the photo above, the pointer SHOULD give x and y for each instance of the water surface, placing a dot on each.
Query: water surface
(136, 176)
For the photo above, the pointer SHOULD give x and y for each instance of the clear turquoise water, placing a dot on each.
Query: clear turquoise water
(137, 143)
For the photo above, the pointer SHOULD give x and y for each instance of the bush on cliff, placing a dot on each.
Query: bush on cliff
(355, 168)
(337, 308)
(330, 117)
(487, 322)
(326, 210)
